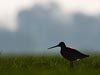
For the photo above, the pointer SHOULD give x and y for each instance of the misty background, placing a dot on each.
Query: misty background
(41, 27)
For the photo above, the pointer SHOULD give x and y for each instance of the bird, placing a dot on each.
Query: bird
(1, 52)
(69, 53)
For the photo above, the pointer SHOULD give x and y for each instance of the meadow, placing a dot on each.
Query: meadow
(48, 65)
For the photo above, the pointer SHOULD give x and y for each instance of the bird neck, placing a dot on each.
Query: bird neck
(63, 47)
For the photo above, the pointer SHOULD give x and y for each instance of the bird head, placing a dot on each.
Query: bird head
(61, 44)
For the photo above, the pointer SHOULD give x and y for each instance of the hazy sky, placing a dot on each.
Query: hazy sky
(9, 9)
(34, 25)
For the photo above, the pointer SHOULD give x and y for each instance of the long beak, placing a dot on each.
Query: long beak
(53, 47)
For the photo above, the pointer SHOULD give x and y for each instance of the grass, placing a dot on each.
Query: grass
(47, 65)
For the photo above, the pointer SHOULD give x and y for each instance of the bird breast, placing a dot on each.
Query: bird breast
(68, 55)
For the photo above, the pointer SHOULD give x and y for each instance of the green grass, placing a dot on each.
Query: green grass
(48, 65)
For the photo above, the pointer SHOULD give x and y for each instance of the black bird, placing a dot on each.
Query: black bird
(1, 52)
(70, 53)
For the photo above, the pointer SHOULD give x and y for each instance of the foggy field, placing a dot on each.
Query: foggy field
(48, 65)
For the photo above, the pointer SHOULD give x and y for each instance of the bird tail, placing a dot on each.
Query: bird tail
(87, 55)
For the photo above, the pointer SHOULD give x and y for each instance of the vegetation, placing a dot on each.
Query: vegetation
(48, 65)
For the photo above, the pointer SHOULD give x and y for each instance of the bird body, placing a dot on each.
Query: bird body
(70, 53)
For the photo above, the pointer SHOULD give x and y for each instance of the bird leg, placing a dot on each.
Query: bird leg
(71, 64)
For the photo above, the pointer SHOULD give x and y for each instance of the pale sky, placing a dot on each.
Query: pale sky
(86, 6)
(9, 9)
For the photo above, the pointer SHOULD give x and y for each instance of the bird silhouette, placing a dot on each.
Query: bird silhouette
(70, 53)
(1, 52)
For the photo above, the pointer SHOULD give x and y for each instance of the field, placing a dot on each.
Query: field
(48, 65)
